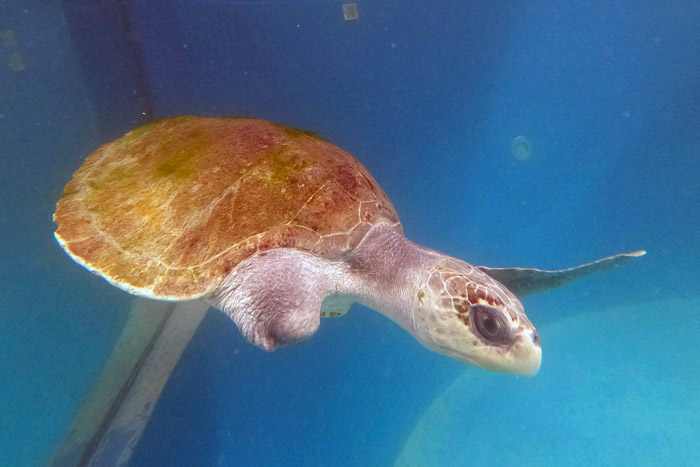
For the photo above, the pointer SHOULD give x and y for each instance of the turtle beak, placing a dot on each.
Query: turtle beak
(530, 356)
(526, 355)
(521, 358)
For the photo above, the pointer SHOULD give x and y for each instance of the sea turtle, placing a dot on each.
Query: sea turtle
(277, 228)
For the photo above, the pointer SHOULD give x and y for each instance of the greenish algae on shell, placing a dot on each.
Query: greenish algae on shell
(168, 210)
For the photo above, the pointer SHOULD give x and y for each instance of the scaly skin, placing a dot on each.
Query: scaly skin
(450, 306)
(266, 221)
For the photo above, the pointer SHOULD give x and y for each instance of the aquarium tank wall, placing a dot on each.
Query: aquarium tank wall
(507, 134)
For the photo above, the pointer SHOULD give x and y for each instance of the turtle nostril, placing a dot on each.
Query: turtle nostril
(536, 337)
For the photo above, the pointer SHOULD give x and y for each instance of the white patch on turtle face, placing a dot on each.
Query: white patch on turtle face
(465, 314)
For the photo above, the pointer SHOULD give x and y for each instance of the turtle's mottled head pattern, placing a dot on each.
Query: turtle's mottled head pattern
(463, 313)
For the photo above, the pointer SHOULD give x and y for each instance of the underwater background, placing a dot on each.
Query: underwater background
(534, 133)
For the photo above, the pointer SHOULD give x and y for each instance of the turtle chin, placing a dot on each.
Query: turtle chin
(523, 357)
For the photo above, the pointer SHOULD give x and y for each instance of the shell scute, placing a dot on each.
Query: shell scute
(172, 207)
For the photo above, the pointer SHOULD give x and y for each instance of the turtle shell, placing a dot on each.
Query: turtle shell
(169, 209)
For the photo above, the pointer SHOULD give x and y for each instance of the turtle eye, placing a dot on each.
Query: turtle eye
(490, 325)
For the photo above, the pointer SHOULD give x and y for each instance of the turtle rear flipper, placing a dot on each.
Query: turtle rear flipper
(523, 281)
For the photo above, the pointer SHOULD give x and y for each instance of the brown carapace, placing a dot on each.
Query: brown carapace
(168, 210)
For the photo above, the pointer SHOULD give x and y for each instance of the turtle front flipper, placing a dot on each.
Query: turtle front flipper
(523, 281)
(275, 296)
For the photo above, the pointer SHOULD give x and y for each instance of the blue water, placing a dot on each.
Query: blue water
(429, 99)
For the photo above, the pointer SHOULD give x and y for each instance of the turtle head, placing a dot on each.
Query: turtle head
(463, 313)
